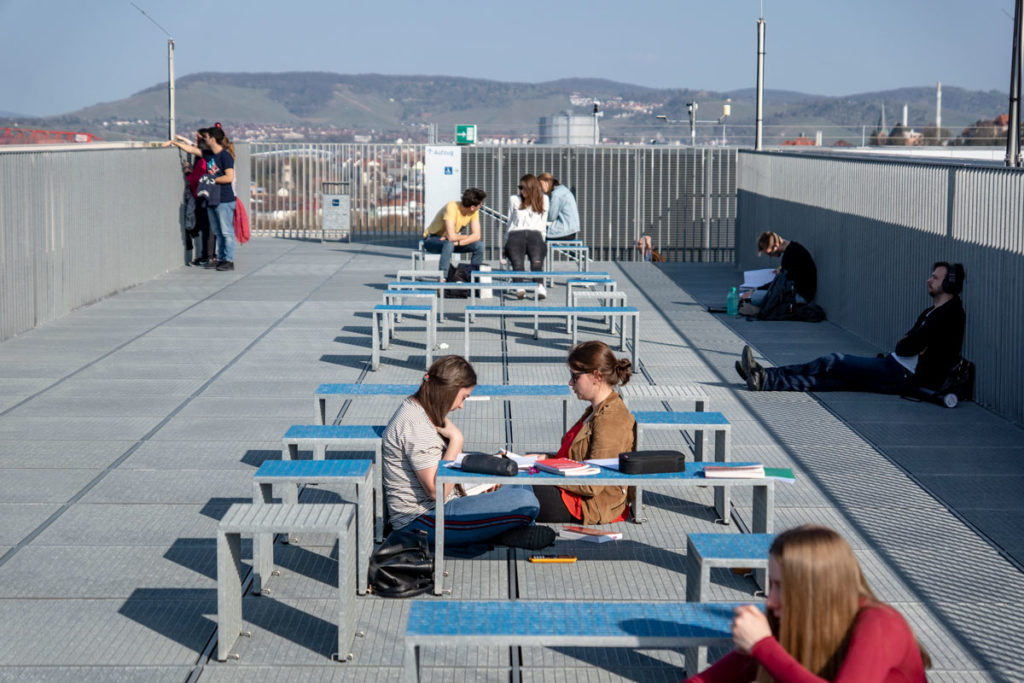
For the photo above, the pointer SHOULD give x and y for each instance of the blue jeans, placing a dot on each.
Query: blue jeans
(222, 224)
(839, 372)
(435, 245)
(475, 519)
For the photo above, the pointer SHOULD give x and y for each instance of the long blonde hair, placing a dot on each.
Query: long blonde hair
(823, 590)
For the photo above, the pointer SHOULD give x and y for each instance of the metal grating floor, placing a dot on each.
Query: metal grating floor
(127, 428)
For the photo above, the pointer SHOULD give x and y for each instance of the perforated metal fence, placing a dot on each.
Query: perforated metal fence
(80, 224)
(875, 226)
(684, 198)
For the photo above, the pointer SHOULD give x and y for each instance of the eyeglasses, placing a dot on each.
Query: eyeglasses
(520, 187)
(574, 376)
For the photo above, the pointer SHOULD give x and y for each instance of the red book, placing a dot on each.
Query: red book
(566, 467)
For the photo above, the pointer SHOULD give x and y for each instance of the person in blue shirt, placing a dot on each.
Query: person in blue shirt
(563, 214)
(222, 216)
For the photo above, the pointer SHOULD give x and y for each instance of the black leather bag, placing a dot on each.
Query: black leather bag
(651, 462)
(460, 273)
(481, 463)
(403, 566)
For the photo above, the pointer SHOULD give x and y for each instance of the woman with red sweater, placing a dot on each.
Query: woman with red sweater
(821, 622)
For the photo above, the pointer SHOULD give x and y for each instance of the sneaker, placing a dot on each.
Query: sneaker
(755, 378)
(542, 292)
(226, 265)
(520, 293)
(528, 537)
(212, 263)
(200, 262)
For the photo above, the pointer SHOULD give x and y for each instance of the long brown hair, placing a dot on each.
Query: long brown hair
(596, 355)
(221, 137)
(437, 392)
(532, 193)
(823, 590)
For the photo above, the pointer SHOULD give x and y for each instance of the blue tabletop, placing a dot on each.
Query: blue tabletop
(544, 618)
(694, 470)
(314, 468)
(335, 432)
(556, 309)
(658, 417)
(492, 390)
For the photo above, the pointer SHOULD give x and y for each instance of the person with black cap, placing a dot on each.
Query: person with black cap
(924, 356)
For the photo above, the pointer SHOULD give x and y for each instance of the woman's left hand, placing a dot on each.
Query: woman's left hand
(749, 627)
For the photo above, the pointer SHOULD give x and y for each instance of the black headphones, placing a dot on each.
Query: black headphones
(953, 283)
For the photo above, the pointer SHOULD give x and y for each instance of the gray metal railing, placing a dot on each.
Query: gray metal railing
(875, 226)
(79, 224)
(684, 198)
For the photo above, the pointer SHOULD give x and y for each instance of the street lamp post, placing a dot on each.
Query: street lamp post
(691, 108)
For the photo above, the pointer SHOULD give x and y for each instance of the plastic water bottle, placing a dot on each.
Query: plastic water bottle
(732, 302)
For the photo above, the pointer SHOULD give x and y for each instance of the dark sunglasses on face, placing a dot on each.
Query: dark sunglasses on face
(574, 376)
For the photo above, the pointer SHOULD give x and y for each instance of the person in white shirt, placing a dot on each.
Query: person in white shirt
(527, 224)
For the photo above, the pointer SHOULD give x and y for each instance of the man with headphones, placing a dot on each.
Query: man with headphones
(925, 355)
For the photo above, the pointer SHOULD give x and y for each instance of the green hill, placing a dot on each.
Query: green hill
(396, 103)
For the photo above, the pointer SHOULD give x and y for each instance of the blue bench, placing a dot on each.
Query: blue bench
(763, 493)
(530, 623)
(577, 253)
(302, 472)
(382, 316)
(567, 312)
(482, 392)
(732, 551)
(352, 437)
(698, 421)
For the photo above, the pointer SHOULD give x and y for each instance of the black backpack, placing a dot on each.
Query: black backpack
(460, 273)
(780, 303)
(403, 566)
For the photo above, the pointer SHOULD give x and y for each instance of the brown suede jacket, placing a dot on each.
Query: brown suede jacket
(611, 430)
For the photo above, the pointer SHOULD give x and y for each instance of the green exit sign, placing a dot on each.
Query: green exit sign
(465, 134)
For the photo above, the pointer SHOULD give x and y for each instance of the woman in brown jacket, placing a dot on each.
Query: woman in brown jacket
(606, 429)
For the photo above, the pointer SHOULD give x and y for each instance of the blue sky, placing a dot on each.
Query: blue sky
(62, 55)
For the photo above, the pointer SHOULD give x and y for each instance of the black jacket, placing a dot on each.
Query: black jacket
(938, 336)
(800, 268)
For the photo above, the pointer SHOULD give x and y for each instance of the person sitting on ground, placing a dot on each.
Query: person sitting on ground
(645, 246)
(563, 214)
(527, 221)
(419, 437)
(444, 235)
(606, 429)
(795, 260)
(821, 622)
(924, 356)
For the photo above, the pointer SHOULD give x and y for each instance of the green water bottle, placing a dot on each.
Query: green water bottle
(732, 302)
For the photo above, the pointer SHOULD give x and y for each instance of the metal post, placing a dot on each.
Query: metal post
(1013, 131)
(708, 169)
(759, 113)
(170, 87)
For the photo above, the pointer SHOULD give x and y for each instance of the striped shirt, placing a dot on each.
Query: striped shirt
(411, 443)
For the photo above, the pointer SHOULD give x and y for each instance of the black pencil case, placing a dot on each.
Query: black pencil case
(482, 463)
(651, 462)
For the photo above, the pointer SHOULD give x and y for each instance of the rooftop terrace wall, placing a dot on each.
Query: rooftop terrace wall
(875, 226)
(79, 223)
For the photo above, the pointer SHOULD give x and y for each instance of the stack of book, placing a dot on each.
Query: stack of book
(566, 467)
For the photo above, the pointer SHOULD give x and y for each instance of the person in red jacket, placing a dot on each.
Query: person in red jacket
(821, 622)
